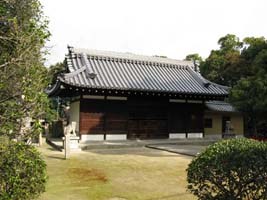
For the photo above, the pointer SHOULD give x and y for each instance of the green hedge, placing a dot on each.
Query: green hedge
(22, 171)
(230, 170)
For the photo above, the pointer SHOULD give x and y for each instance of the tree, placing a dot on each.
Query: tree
(194, 56)
(230, 42)
(250, 93)
(223, 65)
(54, 71)
(252, 46)
(23, 33)
(243, 66)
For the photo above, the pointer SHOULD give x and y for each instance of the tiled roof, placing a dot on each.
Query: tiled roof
(220, 106)
(126, 71)
(131, 56)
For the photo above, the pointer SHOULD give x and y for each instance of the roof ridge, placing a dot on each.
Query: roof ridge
(99, 54)
(218, 85)
(218, 102)
(198, 77)
(221, 106)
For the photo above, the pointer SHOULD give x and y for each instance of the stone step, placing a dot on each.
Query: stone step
(58, 143)
(143, 143)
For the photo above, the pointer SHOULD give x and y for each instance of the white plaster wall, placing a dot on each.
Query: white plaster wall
(117, 98)
(99, 137)
(177, 100)
(194, 101)
(116, 137)
(195, 135)
(213, 136)
(93, 97)
(75, 114)
(177, 135)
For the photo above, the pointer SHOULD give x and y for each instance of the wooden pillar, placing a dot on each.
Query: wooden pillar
(105, 117)
(203, 118)
(187, 117)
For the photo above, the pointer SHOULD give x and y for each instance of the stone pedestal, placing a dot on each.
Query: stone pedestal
(73, 143)
(66, 145)
(40, 139)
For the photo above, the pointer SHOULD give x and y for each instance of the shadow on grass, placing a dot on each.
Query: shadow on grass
(53, 146)
(56, 157)
(53, 149)
(133, 151)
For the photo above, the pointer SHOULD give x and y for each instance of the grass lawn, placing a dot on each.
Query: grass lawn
(116, 174)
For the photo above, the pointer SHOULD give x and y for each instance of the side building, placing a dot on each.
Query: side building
(119, 96)
(217, 114)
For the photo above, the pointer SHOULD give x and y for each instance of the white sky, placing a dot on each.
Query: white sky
(174, 28)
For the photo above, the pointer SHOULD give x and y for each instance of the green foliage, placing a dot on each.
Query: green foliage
(54, 71)
(233, 169)
(243, 67)
(194, 56)
(230, 42)
(223, 65)
(252, 46)
(23, 33)
(249, 94)
(22, 171)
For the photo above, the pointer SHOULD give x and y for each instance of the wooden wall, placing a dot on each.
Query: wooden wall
(92, 113)
(143, 118)
(148, 118)
(103, 117)
(186, 118)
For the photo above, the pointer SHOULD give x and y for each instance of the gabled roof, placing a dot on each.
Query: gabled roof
(125, 71)
(220, 106)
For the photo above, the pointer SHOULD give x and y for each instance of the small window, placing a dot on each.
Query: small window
(208, 123)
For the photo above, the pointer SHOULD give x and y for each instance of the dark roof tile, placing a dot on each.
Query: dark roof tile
(220, 106)
(127, 71)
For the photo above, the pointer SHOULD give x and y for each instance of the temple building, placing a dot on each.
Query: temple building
(119, 96)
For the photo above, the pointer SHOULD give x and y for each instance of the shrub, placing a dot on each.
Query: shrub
(22, 171)
(230, 170)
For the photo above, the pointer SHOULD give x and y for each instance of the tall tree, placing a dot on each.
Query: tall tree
(250, 93)
(243, 66)
(23, 33)
(230, 42)
(222, 66)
